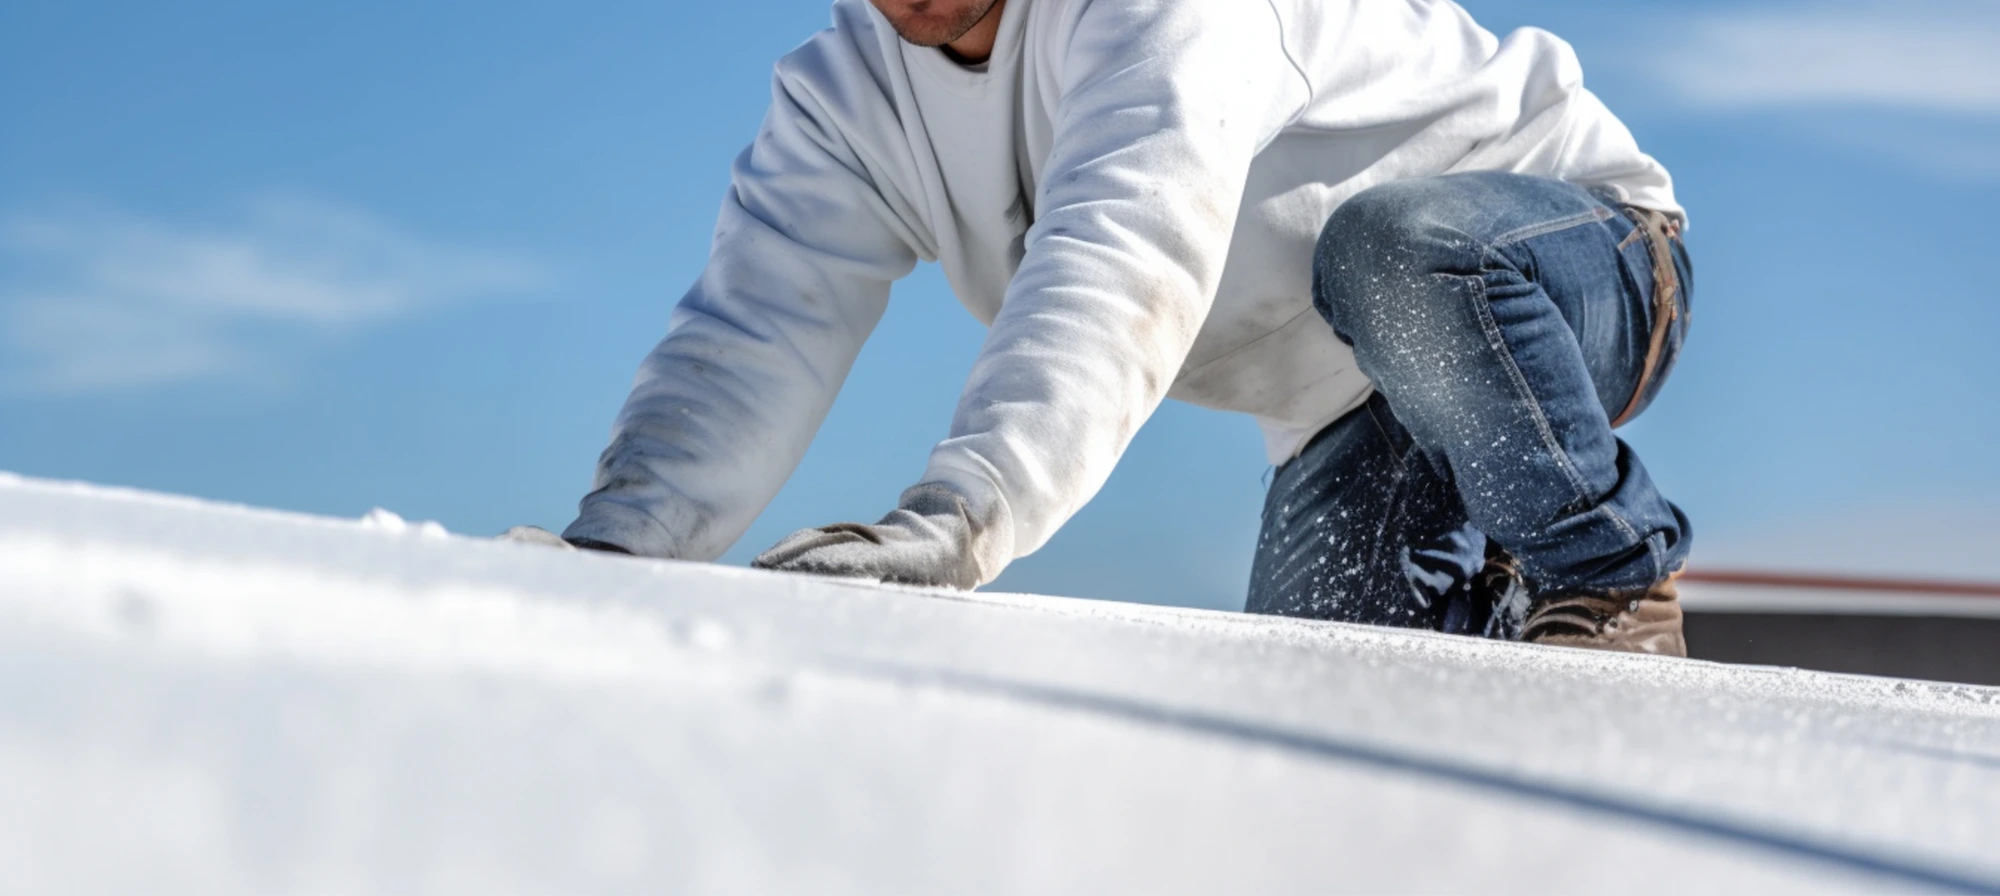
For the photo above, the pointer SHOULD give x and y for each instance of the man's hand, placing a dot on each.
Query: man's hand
(541, 536)
(927, 540)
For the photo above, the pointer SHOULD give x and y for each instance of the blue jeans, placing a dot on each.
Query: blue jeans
(1504, 320)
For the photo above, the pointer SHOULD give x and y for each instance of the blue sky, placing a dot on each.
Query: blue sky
(409, 255)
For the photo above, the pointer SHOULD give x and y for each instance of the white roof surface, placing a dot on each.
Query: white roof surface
(207, 699)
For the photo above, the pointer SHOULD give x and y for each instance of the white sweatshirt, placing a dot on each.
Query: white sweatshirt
(1128, 195)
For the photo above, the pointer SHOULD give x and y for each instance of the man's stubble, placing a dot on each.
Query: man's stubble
(933, 23)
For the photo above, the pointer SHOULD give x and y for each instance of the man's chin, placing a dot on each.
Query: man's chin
(929, 34)
(923, 26)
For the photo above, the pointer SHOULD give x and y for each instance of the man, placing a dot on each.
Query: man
(1432, 265)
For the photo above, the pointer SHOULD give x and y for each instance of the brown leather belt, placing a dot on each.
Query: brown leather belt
(1659, 230)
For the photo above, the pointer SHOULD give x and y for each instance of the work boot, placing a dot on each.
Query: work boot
(1647, 621)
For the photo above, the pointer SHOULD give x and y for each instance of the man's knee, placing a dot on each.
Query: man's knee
(1380, 247)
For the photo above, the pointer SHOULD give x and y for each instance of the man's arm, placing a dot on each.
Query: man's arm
(805, 249)
(1164, 104)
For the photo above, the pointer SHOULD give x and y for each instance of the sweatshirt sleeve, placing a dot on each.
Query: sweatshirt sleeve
(804, 252)
(1163, 104)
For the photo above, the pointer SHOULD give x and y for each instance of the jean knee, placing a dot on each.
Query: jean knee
(1378, 247)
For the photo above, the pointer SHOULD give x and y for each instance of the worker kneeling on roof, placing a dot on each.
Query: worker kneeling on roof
(1435, 268)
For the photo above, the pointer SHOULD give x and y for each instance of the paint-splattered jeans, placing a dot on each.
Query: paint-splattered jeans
(1504, 320)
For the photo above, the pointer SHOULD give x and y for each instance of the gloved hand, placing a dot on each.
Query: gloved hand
(927, 540)
(541, 536)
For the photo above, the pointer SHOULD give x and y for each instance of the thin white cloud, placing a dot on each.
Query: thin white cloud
(1915, 55)
(100, 300)
(1915, 82)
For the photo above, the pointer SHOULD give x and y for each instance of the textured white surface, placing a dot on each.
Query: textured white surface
(196, 698)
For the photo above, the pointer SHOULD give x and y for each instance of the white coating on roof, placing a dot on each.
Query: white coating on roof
(200, 698)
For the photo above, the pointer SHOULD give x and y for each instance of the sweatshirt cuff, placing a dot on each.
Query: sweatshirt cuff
(987, 510)
(624, 527)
